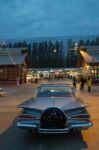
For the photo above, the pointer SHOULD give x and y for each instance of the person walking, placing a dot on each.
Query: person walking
(89, 84)
(82, 83)
(18, 81)
(74, 82)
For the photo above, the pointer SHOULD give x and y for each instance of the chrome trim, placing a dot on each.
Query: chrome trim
(23, 125)
(75, 115)
(82, 125)
(53, 131)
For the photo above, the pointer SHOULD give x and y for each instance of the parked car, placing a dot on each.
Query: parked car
(55, 108)
(96, 80)
(2, 92)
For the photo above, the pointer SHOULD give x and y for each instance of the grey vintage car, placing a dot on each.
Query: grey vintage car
(55, 108)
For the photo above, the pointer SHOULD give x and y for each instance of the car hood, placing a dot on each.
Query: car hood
(43, 103)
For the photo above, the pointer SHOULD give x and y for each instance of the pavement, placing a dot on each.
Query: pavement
(18, 94)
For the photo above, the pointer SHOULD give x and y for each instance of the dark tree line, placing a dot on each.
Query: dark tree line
(88, 42)
(42, 54)
(52, 54)
(47, 54)
(82, 42)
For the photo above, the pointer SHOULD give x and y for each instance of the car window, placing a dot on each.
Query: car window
(54, 92)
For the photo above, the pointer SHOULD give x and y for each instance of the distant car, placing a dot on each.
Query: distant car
(55, 108)
(96, 80)
(2, 92)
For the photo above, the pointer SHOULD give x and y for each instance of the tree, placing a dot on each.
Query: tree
(92, 42)
(50, 53)
(70, 43)
(81, 43)
(97, 41)
(34, 54)
(24, 44)
(87, 42)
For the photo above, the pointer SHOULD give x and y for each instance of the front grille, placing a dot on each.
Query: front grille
(53, 118)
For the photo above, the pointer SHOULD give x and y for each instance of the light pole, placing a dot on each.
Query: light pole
(54, 52)
(76, 47)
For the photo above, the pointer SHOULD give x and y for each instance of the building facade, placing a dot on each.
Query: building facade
(89, 60)
(13, 66)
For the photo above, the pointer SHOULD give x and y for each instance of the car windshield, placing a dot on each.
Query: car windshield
(54, 92)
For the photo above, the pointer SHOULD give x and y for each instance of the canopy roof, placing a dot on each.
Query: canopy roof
(9, 57)
(87, 57)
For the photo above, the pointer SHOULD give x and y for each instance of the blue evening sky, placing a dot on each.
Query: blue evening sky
(42, 18)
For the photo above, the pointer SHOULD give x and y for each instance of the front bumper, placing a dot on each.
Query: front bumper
(54, 131)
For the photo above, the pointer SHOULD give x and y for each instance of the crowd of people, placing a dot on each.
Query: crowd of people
(83, 81)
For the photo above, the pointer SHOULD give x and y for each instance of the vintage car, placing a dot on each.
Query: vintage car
(55, 108)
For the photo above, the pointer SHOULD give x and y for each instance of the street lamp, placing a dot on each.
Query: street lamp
(54, 50)
(76, 46)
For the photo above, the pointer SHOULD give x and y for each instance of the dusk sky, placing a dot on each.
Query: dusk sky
(42, 18)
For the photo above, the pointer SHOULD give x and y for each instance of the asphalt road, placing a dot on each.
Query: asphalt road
(12, 138)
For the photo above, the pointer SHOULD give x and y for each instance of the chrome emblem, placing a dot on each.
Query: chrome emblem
(53, 113)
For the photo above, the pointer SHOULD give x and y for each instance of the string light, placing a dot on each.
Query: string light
(4, 44)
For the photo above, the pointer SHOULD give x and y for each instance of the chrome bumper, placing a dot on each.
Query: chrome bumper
(42, 130)
(54, 131)
(65, 130)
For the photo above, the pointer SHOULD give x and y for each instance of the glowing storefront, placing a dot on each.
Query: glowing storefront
(89, 60)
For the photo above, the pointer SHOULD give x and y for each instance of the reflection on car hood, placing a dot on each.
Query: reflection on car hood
(60, 102)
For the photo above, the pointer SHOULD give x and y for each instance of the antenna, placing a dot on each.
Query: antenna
(4, 44)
